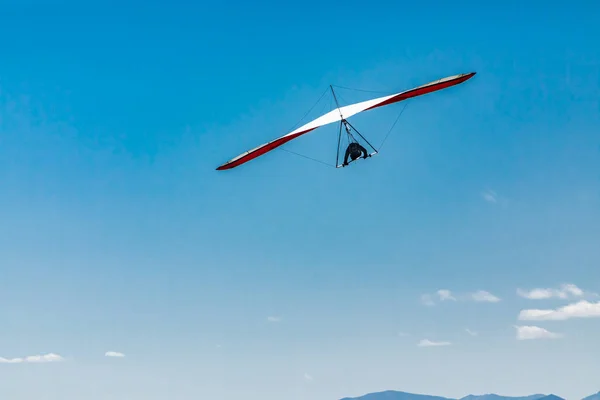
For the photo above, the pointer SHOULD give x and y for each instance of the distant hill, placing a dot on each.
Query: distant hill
(595, 396)
(395, 395)
(498, 397)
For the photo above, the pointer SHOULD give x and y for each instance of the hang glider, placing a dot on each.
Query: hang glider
(341, 114)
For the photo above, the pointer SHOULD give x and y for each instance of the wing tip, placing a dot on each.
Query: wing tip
(465, 77)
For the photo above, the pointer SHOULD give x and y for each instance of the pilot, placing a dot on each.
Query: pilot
(354, 151)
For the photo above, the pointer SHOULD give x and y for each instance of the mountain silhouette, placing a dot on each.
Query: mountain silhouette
(595, 396)
(492, 396)
(398, 395)
(395, 395)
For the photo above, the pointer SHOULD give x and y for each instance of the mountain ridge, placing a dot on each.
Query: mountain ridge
(396, 395)
(400, 395)
(493, 396)
(595, 396)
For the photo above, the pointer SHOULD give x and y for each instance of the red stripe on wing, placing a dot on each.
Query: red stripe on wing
(261, 150)
(423, 90)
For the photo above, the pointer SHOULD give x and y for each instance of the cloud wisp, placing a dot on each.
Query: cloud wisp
(427, 300)
(484, 296)
(566, 291)
(42, 358)
(490, 196)
(479, 296)
(114, 354)
(529, 332)
(430, 343)
(470, 332)
(581, 309)
(442, 295)
(274, 319)
(445, 295)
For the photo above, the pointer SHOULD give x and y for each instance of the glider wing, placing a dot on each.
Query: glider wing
(346, 112)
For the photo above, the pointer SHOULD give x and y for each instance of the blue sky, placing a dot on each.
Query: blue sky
(118, 234)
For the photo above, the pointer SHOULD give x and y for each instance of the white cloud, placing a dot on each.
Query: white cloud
(490, 196)
(308, 377)
(273, 319)
(114, 354)
(566, 291)
(581, 309)
(470, 332)
(429, 343)
(51, 357)
(483, 296)
(427, 300)
(535, 332)
(445, 294)
(45, 358)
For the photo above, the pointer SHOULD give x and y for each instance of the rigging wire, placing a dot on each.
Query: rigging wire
(297, 123)
(308, 112)
(392, 128)
(361, 90)
(307, 157)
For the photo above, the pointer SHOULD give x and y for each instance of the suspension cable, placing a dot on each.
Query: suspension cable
(361, 90)
(392, 128)
(308, 112)
(297, 123)
(307, 157)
